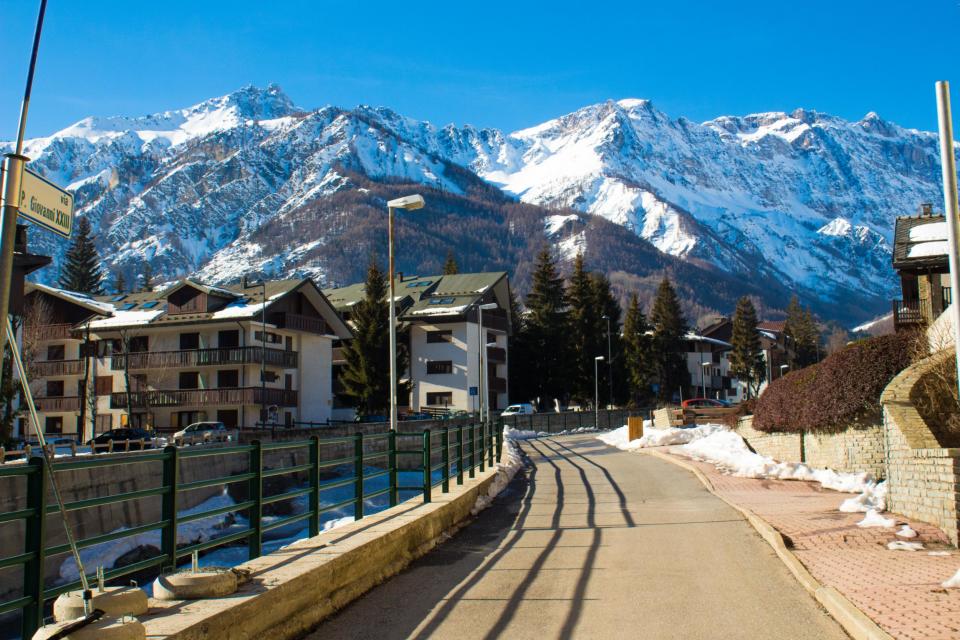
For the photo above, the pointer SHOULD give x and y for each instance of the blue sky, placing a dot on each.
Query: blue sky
(492, 63)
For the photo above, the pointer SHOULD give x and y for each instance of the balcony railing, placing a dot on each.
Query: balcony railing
(50, 368)
(339, 355)
(204, 357)
(496, 354)
(55, 404)
(52, 332)
(908, 312)
(298, 322)
(204, 397)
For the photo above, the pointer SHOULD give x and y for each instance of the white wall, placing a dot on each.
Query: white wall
(316, 369)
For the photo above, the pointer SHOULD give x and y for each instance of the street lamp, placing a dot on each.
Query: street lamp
(783, 368)
(409, 203)
(482, 342)
(703, 377)
(263, 350)
(609, 361)
(596, 393)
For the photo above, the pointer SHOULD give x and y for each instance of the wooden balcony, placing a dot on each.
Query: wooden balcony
(189, 358)
(297, 322)
(53, 332)
(339, 355)
(57, 404)
(204, 397)
(909, 313)
(496, 355)
(52, 368)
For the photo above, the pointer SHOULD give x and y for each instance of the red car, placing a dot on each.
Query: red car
(704, 403)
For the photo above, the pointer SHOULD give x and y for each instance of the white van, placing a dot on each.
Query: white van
(522, 409)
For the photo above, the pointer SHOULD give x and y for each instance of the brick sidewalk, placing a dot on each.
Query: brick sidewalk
(899, 590)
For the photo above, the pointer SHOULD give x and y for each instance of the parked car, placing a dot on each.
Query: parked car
(415, 415)
(522, 409)
(120, 436)
(704, 403)
(199, 431)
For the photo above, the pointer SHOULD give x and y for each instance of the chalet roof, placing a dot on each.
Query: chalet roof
(210, 290)
(87, 302)
(772, 326)
(920, 242)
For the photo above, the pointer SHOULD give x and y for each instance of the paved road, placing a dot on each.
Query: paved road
(592, 542)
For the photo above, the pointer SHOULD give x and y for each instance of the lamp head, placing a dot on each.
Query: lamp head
(598, 358)
(489, 306)
(409, 203)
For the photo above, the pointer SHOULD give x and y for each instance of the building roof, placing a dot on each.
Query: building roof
(772, 326)
(696, 337)
(89, 303)
(920, 242)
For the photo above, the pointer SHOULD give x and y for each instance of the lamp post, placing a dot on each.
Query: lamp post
(703, 377)
(596, 392)
(410, 203)
(609, 362)
(263, 350)
(482, 342)
(783, 369)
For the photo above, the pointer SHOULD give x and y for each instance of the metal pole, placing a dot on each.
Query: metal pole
(481, 341)
(12, 175)
(263, 353)
(393, 329)
(596, 394)
(609, 363)
(950, 207)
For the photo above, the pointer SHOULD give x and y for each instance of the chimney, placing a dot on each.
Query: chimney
(926, 209)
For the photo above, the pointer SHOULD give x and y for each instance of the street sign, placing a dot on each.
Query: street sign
(474, 391)
(46, 204)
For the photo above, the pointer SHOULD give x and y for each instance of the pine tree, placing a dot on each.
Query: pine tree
(81, 268)
(450, 267)
(637, 353)
(367, 372)
(583, 333)
(746, 357)
(669, 329)
(519, 366)
(802, 334)
(146, 277)
(546, 331)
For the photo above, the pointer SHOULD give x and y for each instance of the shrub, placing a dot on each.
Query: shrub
(935, 397)
(841, 390)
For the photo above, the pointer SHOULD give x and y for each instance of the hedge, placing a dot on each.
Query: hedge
(842, 389)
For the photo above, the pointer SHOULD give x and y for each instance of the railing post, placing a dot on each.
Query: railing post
(483, 447)
(35, 540)
(426, 465)
(445, 456)
(168, 537)
(314, 486)
(358, 475)
(491, 438)
(392, 466)
(472, 432)
(499, 442)
(256, 495)
(460, 454)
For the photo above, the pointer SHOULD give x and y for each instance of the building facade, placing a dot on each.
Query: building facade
(162, 360)
(920, 259)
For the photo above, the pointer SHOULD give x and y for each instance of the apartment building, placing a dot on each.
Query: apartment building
(440, 317)
(191, 352)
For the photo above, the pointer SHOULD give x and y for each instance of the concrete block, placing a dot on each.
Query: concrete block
(114, 601)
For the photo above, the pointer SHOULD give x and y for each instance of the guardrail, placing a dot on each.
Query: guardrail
(554, 422)
(471, 447)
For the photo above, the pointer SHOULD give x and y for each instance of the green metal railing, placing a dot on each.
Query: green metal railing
(460, 450)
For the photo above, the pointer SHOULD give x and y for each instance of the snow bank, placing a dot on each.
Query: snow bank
(872, 497)
(657, 437)
(906, 532)
(512, 461)
(900, 545)
(874, 519)
(520, 434)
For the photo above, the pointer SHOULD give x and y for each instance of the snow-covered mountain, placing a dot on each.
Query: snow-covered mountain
(801, 201)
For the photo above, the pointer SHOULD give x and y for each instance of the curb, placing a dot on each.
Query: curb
(854, 621)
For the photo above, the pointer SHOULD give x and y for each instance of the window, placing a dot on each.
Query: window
(139, 344)
(272, 338)
(54, 388)
(288, 381)
(440, 399)
(419, 283)
(228, 379)
(150, 305)
(189, 341)
(228, 340)
(269, 376)
(118, 298)
(229, 418)
(126, 306)
(288, 345)
(189, 380)
(442, 300)
(103, 385)
(53, 425)
(287, 419)
(440, 366)
(104, 422)
(439, 336)
(56, 352)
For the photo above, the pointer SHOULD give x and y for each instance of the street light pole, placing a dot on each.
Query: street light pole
(482, 342)
(951, 210)
(703, 377)
(596, 392)
(609, 362)
(409, 203)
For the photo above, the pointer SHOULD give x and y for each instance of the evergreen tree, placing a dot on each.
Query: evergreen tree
(611, 384)
(119, 282)
(583, 333)
(802, 334)
(450, 267)
(746, 357)
(367, 372)
(146, 277)
(520, 378)
(81, 268)
(638, 363)
(546, 329)
(669, 329)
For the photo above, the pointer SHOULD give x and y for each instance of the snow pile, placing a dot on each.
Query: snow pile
(510, 433)
(874, 497)
(954, 582)
(938, 553)
(874, 519)
(906, 532)
(900, 545)
(658, 437)
(512, 462)
(728, 452)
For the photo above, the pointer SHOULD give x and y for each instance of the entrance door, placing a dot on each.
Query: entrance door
(229, 417)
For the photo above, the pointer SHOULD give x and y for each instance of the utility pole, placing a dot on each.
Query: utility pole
(950, 207)
(609, 362)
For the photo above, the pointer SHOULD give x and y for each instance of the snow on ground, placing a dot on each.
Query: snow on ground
(906, 532)
(511, 462)
(657, 437)
(874, 519)
(900, 545)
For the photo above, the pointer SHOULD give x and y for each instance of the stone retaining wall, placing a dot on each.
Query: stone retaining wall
(923, 477)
